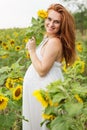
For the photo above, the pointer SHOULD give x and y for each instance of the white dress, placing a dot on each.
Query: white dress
(32, 109)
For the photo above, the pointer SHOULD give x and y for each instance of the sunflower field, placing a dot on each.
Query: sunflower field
(64, 103)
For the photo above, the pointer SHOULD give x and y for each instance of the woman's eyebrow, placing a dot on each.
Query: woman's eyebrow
(54, 19)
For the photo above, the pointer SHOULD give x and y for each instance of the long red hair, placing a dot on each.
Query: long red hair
(66, 33)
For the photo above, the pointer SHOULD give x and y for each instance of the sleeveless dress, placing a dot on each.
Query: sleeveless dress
(32, 109)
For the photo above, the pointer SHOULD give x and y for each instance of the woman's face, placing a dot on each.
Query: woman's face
(53, 22)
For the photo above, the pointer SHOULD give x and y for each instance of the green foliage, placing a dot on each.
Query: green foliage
(14, 71)
(36, 29)
(12, 46)
(11, 116)
(71, 96)
(81, 20)
(13, 64)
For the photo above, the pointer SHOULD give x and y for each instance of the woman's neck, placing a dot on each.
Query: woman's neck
(51, 36)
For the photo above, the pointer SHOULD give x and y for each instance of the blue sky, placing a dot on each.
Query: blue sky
(18, 13)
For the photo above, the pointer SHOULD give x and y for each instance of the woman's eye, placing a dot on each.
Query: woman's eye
(49, 19)
(57, 22)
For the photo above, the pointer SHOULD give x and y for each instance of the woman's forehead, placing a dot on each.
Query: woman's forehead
(54, 14)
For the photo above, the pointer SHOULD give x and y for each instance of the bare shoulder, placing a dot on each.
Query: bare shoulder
(55, 43)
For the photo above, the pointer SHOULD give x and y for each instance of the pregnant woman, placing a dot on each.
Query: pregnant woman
(58, 44)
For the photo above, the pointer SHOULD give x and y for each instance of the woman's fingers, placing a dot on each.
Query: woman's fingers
(31, 44)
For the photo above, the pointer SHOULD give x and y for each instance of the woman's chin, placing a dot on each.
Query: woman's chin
(50, 33)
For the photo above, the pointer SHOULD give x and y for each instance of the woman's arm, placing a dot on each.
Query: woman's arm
(49, 56)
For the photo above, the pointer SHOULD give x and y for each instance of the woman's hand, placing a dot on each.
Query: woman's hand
(31, 44)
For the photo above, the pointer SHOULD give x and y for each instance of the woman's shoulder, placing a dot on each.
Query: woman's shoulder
(55, 40)
(54, 44)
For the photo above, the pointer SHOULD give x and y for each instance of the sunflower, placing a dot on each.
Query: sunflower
(42, 13)
(48, 117)
(3, 102)
(9, 83)
(25, 40)
(79, 47)
(17, 92)
(6, 47)
(18, 80)
(37, 94)
(64, 68)
(4, 44)
(27, 54)
(15, 34)
(12, 43)
(17, 48)
(80, 64)
(78, 98)
(4, 56)
(0, 41)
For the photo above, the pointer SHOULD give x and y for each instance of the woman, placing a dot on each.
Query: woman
(58, 44)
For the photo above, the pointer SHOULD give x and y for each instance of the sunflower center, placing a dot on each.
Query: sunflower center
(17, 93)
(10, 85)
(1, 101)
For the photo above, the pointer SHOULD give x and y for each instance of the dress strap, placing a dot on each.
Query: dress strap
(45, 39)
(40, 46)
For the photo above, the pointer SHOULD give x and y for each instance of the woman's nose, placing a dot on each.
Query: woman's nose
(51, 23)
